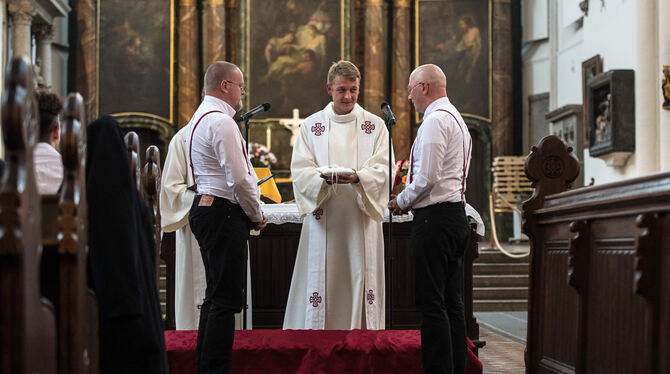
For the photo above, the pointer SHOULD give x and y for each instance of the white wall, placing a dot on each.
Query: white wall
(609, 31)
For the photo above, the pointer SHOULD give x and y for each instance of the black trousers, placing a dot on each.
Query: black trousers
(222, 230)
(439, 237)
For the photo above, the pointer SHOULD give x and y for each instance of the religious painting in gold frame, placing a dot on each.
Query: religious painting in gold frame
(135, 56)
(456, 36)
(289, 48)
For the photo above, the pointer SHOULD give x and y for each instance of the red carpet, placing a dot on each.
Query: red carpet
(312, 351)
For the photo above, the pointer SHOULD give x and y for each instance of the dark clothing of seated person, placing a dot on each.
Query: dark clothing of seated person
(121, 258)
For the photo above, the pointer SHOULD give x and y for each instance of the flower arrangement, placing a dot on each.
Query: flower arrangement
(261, 156)
(402, 167)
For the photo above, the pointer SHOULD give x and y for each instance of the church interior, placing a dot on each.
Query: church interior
(567, 103)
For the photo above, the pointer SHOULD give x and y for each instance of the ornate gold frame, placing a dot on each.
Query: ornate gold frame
(97, 71)
(490, 45)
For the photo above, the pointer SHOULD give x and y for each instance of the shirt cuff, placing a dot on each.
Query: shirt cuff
(400, 200)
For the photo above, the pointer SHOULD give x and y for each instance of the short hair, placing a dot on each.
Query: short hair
(217, 72)
(344, 69)
(50, 104)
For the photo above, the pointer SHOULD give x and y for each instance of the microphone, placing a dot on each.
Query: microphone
(390, 118)
(259, 109)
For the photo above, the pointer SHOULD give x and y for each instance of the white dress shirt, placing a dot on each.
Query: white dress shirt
(48, 168)
(220, 164)
(439, 159)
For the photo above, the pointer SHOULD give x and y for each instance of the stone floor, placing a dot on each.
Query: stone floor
(501, 355)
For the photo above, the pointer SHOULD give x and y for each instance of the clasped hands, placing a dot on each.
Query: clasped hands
(394, 208)
(341, 179)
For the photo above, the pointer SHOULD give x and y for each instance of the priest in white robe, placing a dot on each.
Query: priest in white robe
(175, 203)
(338, 280)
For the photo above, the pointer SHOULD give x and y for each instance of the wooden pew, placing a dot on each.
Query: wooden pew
(150, 191)
(64, 260)
(132, 141)
(27, 323)
(599, 292)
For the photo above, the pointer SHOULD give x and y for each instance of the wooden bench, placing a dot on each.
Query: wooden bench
(599, 293)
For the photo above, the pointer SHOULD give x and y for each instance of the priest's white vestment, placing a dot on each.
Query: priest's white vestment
(175, 204)
(338, 278)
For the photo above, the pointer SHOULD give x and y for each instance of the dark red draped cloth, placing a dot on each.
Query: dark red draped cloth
(313, 351)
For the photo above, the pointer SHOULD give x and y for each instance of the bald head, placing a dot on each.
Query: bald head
(431, 74)
(217, 72)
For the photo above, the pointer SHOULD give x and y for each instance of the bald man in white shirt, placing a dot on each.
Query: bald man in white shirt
(435, 192)
(225, 207)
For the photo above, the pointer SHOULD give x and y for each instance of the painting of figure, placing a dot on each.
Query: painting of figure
(134, 65)
(454, 34)
(289, 65)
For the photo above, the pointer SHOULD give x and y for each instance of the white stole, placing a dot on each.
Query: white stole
(316, 297)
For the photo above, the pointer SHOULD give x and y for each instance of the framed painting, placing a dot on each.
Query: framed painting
(456, 36)
(289, 48)
(135, 67)
(590, 68)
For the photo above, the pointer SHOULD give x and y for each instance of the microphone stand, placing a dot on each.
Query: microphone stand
(389, 125)
(244, 291)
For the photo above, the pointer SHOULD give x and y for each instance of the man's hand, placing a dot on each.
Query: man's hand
(258, 226)
(342, 179)
(394, 208)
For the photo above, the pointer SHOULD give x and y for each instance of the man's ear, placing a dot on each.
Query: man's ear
(224, 85)
(55, 133)
(329, 89)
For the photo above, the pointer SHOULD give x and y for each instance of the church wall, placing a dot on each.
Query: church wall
(610, 31)
(3, 57)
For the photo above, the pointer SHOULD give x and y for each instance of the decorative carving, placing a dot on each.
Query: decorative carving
(646, 256)
(665, 87)
(551, 166)
(22, 12)
(133, 146)
(578, 255)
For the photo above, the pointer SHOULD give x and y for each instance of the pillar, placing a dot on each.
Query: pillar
(664, 57)
(502, 118)
(400, 70)
(22, 12)
(647, 86)
(188, 88)
(373, 57)
(86, 79)
(213, 32)
(44, 36)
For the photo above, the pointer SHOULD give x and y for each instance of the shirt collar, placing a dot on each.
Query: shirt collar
(220, 104)
(435, 105)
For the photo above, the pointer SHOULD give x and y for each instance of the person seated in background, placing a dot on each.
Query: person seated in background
(48, 162)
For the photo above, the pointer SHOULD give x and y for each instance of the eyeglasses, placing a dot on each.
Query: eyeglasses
(242, 86)
(409, 90)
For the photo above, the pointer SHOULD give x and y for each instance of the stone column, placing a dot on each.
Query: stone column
(86, 79)
(213, 32)
(647, 83)
(502, 118)
(231, 11)
(44, 35)
(188, 73)
(400, 70)
(373, 57)
(22, 12)
(664, 59)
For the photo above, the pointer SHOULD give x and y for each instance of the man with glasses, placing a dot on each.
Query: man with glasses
(225, 207)
(438, 169)
(338, 279)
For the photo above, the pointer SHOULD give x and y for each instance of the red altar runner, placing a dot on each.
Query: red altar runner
(312, 351)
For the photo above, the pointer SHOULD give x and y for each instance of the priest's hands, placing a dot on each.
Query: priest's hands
(258, 226)
(342, 179)
(394, 208)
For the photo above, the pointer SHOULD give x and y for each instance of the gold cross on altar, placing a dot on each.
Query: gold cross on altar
(293, 124)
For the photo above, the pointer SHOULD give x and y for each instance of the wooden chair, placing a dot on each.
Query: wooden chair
(28, 338)
(64, 261)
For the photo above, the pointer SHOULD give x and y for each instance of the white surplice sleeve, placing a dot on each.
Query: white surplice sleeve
(373, 188)
(175, 198)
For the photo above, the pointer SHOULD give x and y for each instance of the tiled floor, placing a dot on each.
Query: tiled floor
(501, 355)
(510, 324)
